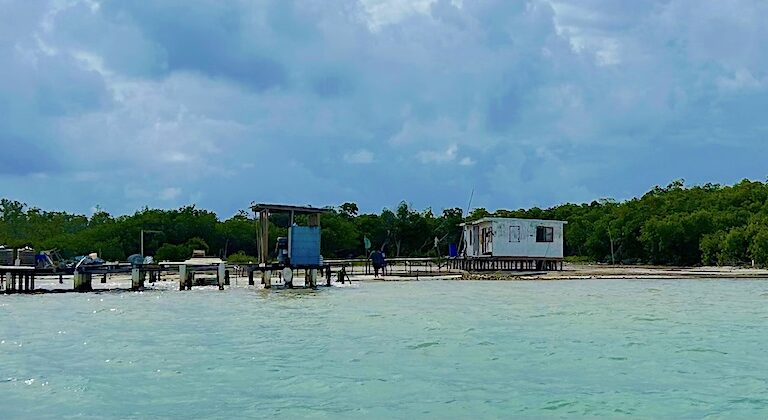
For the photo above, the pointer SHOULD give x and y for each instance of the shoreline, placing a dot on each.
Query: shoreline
(121, 282)
(588, 272)
(624, 272)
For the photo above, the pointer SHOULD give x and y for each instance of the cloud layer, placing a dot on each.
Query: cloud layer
(125, 104)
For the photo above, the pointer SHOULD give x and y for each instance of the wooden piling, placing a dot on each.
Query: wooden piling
(250, 277)
(137, 279)
(82, 282)
(221, 273)
(182, 277)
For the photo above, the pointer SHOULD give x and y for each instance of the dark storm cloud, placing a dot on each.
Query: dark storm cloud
(133, 103)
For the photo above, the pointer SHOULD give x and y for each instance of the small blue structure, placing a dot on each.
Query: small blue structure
(453, 251)
(305, 245)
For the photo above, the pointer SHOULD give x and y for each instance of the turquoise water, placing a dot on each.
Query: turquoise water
(640, 348)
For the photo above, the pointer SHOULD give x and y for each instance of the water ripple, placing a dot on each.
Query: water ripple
(638, 348)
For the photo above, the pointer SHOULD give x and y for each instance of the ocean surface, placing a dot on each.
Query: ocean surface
(426, 349)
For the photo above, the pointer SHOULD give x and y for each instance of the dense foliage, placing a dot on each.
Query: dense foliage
(173, 234)
(677, 225)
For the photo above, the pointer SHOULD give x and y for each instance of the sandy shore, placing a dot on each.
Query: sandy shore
(570, 272)
(599, 271)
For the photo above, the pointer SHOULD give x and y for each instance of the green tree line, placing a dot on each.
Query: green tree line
(707, 224)
(674, 225)
(173, 234)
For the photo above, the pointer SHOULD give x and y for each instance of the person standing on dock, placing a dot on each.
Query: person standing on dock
(377, 258)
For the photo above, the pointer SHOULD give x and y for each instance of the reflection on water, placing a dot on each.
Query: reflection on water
(407, 349)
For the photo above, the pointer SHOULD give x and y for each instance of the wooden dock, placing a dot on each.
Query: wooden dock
(438, 266)
(21, 279)
(506, 264)
(17, 279)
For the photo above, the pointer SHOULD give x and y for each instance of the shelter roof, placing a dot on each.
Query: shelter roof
(257, 207)
(500, 219)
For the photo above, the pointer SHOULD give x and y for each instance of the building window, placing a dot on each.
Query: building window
(514, 234)
(545, 234)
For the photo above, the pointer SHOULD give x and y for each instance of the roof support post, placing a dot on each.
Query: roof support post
(264, 240)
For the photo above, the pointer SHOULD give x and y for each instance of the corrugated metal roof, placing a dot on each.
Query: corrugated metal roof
(499, 219)
(287, 208)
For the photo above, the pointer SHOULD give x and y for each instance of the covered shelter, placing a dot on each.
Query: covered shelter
(303, 242)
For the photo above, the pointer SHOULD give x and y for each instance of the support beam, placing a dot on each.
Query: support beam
(220, 274)
(137, 279)
(250, 277)
(82, 282)
(264, 240)
(182, 277)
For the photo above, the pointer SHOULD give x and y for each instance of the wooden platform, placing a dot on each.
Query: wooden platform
(17, 279)
(21, 279)
(506, 264)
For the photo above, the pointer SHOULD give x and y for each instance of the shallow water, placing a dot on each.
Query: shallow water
(640, 348)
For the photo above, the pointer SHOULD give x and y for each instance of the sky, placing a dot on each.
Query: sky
(123, 104)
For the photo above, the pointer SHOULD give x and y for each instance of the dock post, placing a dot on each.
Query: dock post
(266, 277)
(61, 278)
(82, 282)
(32, 282)
(13, 283)
(220, 273)
(26, 282)
(328, 275)
(250, 277)
(137, 279)
(104, 278)
(313, 278)
(182, 277)
(226, 278)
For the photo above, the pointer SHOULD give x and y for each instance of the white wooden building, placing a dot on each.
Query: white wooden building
(497, 237)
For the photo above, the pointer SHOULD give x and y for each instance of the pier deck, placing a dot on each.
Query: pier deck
(21, 279)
